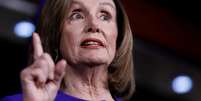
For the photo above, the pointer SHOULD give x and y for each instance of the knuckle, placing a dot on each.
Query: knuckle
(42, 75)
(24, 73)
(42, 62)
(46, 55)
(41, 70)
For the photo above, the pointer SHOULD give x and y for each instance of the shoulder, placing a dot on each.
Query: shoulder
(117, 99)
(16, 97)
(60, 97)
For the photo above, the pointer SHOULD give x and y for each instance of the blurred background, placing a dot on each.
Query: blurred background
(167, 42)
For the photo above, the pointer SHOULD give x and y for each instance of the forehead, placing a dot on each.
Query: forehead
(87, 3)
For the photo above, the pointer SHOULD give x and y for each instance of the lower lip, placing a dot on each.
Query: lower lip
(92, 46)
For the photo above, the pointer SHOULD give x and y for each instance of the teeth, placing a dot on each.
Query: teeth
(90, 43)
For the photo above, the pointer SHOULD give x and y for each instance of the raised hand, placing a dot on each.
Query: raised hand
(41, 80)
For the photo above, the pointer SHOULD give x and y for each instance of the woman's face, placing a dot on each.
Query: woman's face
(89, 32)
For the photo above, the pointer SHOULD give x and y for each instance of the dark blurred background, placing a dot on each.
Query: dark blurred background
(167, 42)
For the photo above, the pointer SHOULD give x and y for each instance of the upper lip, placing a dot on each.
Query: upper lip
(94, 40)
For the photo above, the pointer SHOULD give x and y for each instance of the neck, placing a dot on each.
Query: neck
(90, 83)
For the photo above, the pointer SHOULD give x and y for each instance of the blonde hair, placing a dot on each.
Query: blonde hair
(121, 73)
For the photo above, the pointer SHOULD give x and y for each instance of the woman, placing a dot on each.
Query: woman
(83, 52)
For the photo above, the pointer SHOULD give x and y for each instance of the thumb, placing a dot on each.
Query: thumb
(59, 71)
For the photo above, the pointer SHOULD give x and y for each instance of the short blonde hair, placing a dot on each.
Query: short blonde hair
(121, 73)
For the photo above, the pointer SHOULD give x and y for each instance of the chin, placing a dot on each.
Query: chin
(95, 60)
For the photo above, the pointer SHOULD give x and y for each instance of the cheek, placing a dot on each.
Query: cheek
(66, 39)
(112, 41)
(69, 39)
(68, 47)
(71, 34)
(112, 38)
(64, 45)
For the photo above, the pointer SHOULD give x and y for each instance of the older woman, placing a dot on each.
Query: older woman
(83, 52)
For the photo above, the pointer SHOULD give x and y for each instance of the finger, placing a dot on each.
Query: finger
(25, 76)
(32, 76)
(37, 46)
(41, 68)
(51, 65)
(59, 71)
(27, 80)
(39, 77)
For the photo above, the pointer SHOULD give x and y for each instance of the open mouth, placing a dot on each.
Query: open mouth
(91, 43)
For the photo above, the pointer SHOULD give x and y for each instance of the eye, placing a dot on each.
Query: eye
(105, 16)
(76, 16)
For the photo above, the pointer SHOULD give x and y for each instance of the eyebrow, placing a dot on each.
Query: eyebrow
(77, 10)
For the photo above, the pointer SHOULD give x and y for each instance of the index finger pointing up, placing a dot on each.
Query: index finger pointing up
(37, 46)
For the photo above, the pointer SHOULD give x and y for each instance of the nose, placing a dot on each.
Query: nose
(92, 26)
(93, 29)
